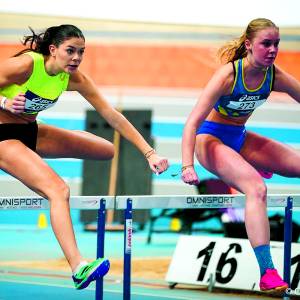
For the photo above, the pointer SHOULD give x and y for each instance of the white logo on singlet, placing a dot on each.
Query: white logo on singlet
(38, 104)
(249, 98)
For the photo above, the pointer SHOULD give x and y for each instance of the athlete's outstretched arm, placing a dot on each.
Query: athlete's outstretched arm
(220, 84)
(86, 87)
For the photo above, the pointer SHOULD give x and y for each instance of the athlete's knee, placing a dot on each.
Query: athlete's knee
(58, 190)
(64, 190)
(261, 191)
(257, 191)
(105, 152)
(110, 151)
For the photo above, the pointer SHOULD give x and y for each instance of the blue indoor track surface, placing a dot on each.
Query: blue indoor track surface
(39, 285)
(20, 280)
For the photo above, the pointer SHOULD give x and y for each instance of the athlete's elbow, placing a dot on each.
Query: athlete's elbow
(190, 127)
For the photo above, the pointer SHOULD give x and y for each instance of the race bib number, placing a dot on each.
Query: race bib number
(245, 105)
(35, 103)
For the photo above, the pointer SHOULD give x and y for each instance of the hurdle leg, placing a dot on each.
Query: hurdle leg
(127, 250)
(100, 245)
(288, 223)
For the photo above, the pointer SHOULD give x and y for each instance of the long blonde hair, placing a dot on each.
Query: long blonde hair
(236, 48)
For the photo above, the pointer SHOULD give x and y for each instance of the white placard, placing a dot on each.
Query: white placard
(230, 262)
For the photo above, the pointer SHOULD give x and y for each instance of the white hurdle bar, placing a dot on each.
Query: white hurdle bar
(130, 203)
(76, 202)
(100, 203)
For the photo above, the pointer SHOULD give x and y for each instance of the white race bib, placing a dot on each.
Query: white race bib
(35, 103)
(245, 105)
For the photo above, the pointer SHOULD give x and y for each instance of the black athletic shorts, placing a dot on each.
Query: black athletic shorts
(26, 133)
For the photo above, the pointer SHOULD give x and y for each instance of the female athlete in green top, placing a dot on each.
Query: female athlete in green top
(32, 81)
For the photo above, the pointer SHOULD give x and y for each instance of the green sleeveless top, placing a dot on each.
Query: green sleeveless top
(41, 90)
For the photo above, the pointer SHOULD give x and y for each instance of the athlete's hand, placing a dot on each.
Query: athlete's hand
(16, 105)
(157, 163)
(190, 176)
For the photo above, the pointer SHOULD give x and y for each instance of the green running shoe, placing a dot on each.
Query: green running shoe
(92, 271)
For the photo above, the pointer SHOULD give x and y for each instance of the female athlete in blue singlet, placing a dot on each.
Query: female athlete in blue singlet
(215, 132)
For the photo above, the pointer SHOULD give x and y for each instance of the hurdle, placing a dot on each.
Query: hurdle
(130, 203)
(99, 203)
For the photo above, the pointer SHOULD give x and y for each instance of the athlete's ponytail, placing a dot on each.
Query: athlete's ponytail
(236, 48)
(54, 35)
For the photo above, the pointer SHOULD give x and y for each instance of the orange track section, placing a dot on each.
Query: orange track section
(155, 66)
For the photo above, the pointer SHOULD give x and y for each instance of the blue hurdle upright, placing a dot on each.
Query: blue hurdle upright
(100, 203)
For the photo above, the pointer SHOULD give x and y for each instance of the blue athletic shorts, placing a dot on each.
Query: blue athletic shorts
(231, 135)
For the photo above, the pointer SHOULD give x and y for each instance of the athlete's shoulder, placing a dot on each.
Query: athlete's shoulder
(283, 81)
(224, 77)
(77, 77)
(18, 68)
(226, 70)
(24, 62)
(79, 81)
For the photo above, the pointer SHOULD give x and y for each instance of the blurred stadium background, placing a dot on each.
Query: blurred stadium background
(159, 63)
(158, 66)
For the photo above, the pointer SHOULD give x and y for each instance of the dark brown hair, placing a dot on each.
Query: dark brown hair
(54, 35)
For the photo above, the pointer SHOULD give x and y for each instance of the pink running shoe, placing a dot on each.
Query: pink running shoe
(265, 174)
(272, 282)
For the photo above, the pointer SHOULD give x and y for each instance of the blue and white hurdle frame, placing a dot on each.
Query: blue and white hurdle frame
(130, 203)
(100, 203)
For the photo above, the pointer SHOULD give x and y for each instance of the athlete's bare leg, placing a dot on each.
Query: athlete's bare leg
(56, 142)
(233, 169)
(267, 154)
(27, 166)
